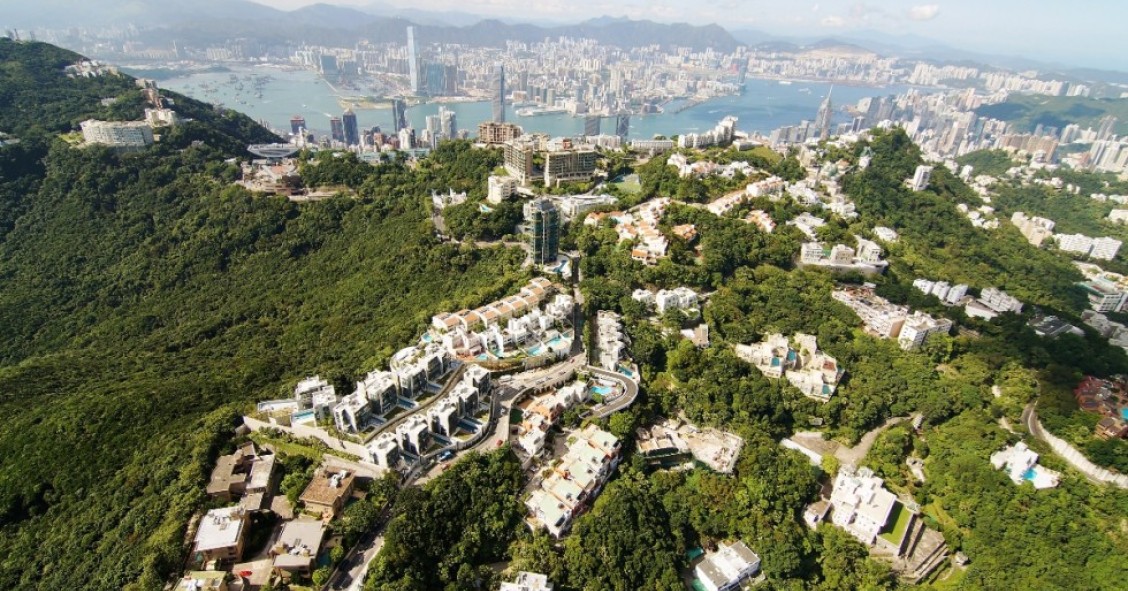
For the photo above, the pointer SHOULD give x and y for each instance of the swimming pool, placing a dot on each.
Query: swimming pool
(560, 339)
(304, 416)
(1029, 474)
(536, 350)
(602, 390)
(1124, 413)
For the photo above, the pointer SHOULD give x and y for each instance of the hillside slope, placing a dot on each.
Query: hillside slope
(145, 300)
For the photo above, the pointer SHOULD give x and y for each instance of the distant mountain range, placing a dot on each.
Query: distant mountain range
(207, 21)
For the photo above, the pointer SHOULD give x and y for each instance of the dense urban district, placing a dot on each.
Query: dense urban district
(837, 358)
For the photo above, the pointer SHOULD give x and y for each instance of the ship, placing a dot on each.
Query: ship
(535, 112)
(785, 83)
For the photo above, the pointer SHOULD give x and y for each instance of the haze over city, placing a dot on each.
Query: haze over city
(1047, 30)
(563, 295)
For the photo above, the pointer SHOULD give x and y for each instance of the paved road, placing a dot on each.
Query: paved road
(854, 455)
(350, 573)
(630, 387)
(1070, 454)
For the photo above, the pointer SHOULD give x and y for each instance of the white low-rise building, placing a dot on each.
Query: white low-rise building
(885, 234)
(1021, 465)
(527, 581)
(812, 372)
(728, 568)
(575, 481)
(860, 503)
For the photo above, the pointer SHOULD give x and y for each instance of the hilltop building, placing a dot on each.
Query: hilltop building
(728, 567)
(543, 221)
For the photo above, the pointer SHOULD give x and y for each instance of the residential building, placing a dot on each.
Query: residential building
(575, 480)
(866, 258)
(295, 551)
(860, 503)
(652, 146)
(500, 188)
(493, 133)
(918, 327)
(880, 318)
(999, 301)
(414, 435)
(163, 117)
(1051, 327)
(221, 535)
(573, 206)
(1074, 243)
(762, 220)
(921, 178)
(519, 153)
(544, 227)
(385, 450)
(1035, 229)
(1118, 215)
(680, 298)
(202, 580)
(1021, 464)
(242, 473)
(327, 492)
(117, 134)
(1105, 248)
(885, 234)
(611, 340)
(812, 372)
(577, 164)
(807, 224)
(527, 581)
(317, 394)
(1104, 295)
(727, 568)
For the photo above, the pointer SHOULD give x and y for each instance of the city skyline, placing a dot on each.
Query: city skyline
(1040, 30)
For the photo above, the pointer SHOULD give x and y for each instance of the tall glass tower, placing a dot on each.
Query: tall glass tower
(543, 221)
(413, 61)
(498, 84)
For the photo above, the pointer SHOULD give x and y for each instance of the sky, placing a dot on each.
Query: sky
(1079, 32)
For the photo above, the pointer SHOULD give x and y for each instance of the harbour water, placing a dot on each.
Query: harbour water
(765, 105)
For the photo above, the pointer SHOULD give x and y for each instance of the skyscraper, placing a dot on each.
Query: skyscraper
(826, 113)
(498, 85)
(623, 125)
(448, 125)
(591, 125)
(413, 62)
(399, 114)
(544, 226)
(297, 124)
(351, 129)
(336, 129)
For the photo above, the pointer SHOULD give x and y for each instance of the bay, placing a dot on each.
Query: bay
(764, 106)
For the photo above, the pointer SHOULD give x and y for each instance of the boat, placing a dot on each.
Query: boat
(785, 83)
(535, 112)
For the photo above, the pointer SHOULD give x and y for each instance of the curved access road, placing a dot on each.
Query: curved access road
(1069, 453)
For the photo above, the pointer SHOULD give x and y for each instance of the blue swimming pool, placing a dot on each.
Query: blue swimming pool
(602, 390)
(1124, 413)
(536, 350)
(556, 341)
(1029, 474)
(302, 416)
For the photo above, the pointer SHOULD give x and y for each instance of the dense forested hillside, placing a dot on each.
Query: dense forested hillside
(144, 299)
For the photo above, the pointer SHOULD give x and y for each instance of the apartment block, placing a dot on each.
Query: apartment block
(575, 480)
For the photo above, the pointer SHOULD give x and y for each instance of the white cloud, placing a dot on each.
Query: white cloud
(924, 12)
(833, 21)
